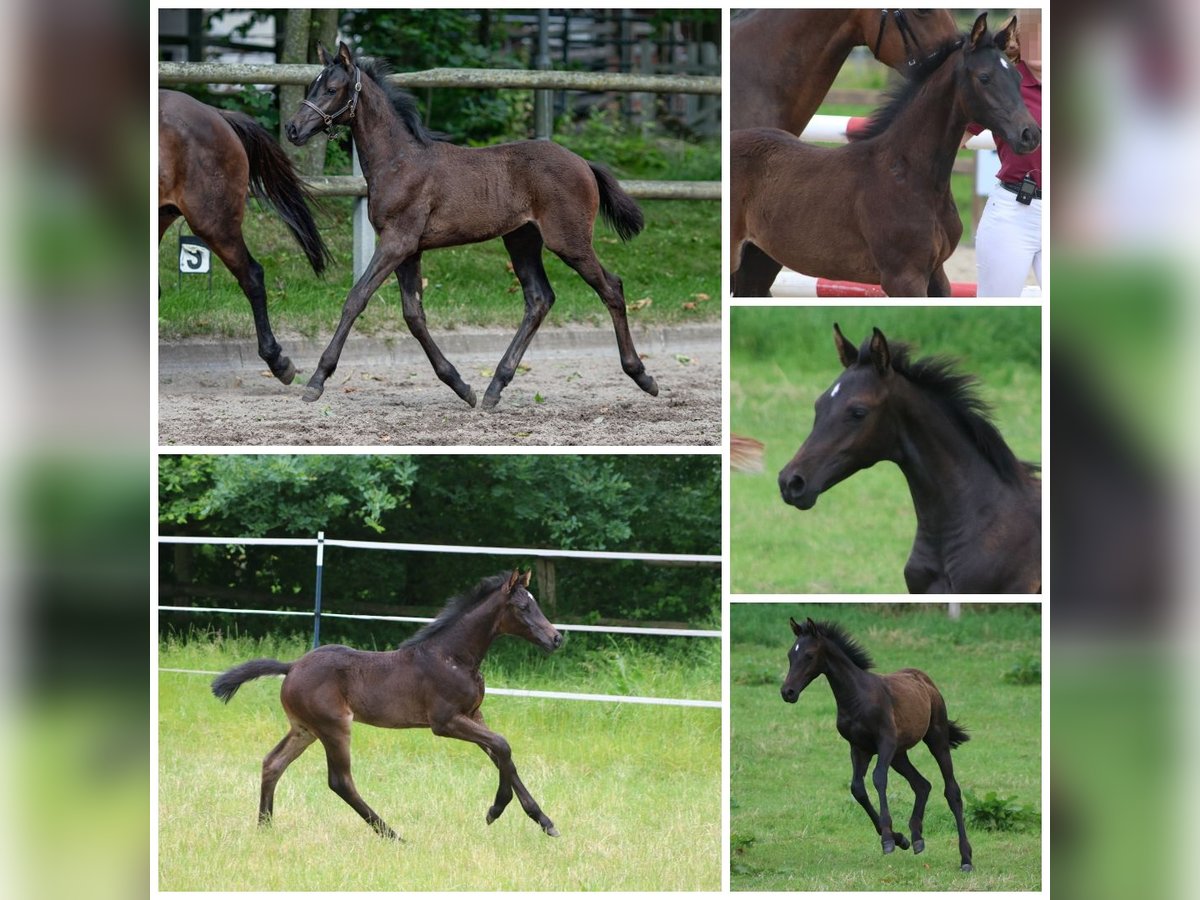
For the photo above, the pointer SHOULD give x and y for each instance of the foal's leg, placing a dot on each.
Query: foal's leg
(389, 252)
(409, 276)
(472, 728)
(890, 839)
(578, 254)
(756, 273)
(295, 742)
(939, 283)
(525, 248)
(941, 752)
(859, 761)
(902, 764)
(336, 739)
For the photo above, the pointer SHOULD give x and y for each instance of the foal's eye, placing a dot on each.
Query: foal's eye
(857, 412)
(985, 78)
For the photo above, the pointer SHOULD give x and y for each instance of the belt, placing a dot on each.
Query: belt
(1015, 187)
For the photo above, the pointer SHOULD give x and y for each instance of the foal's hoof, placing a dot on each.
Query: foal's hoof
(284, 370)
(550, 829)
(889, 846)
(918, 845)
(493, 814)
(901, 842)
(967, 867)
(469, 398)
(490, 400)
(313, 393)
(647, 384)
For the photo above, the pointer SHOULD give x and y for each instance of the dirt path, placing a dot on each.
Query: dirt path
(571, 391)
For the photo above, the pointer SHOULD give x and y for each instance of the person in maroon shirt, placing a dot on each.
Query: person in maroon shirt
(1008, 241)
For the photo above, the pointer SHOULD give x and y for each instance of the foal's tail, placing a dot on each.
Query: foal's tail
(958, 734)
(620, 210)
(224, 686)
(273, 180)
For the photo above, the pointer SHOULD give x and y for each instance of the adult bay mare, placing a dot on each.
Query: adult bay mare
(878, 210)
(783, 61)
(209, 161)
(424, 193)
(978, 506)
(430, 681)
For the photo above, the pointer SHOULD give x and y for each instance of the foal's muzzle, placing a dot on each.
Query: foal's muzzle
(793, 490)
(789, 694)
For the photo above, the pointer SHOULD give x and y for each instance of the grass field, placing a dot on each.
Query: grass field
(858, 536)
(793, 823)
(675, 264)
(634, 790)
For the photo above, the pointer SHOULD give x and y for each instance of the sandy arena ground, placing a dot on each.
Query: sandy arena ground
(570, 391)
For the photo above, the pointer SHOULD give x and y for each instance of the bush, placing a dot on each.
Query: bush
(1028, 671)
(996, 813)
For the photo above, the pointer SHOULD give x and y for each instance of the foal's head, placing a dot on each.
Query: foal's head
(521, 616)
(854, 426)
(809, 656)
(331, 99)
(990, 87)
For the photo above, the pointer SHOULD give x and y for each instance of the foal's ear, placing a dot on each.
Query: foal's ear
(880, 354)
(978, 31)
(344, 55)
(847, 352)
(795, 627)
(322, 54)
(527, 576)
(1006, 36)
(512, 581)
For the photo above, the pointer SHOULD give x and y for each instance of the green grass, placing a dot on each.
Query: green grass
(793, 823)
(634, 790)
(858, 536)
(675, 262)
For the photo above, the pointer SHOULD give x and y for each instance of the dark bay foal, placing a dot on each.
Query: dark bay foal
(424, 193)
(430, 681)
(884, 716)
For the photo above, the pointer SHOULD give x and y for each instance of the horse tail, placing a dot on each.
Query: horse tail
(958, 735)
(273, 180)
(225, 685)
(620, 210)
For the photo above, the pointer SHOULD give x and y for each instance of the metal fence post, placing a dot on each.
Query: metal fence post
(317, 601)
(364, 234)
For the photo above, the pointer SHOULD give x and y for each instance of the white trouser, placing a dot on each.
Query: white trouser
(1008, 243)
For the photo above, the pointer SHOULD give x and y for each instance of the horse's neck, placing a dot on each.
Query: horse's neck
(942, 465)
(378, 132)
(826, 52)
(931, 127)
(469, 638)
(848, 681)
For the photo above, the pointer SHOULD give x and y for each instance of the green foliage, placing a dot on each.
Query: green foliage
(1027, 671)
(996, 813)
(603, 136)
(599, 502)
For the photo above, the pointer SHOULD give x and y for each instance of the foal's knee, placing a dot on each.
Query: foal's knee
(858, 790)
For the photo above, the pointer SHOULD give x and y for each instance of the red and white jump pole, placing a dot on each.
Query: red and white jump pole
(793, 284)
(839, 129)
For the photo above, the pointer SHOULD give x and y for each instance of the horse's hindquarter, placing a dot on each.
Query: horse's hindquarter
(199, 153)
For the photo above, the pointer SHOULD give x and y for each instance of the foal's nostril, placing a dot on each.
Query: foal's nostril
(790, 486)
(789, 694)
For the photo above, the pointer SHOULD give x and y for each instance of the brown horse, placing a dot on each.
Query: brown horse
(208, 161)
(430, 681)
(884, 715)
(783, 61)
(979, 508)
(424, 193)
(877, 210)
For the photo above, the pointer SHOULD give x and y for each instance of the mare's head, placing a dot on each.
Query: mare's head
(901, 38)
(854, 426)
(809, 656)
(521, 616)
(989, 87)
(331, 99)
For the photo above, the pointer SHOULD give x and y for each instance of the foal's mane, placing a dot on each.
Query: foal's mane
(402, 102)
(457, 607)
(836, 634)
(958, 395)
(897, 98)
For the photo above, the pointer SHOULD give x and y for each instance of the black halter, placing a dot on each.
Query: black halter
(349, 106)
(907, 34)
